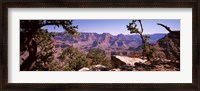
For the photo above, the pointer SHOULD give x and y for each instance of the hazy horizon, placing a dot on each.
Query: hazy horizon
(114, 34)
(116, 27)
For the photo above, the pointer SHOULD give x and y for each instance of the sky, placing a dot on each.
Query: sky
(119, 26)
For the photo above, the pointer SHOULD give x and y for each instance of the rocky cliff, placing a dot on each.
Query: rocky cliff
(168, 47)
(113, 44)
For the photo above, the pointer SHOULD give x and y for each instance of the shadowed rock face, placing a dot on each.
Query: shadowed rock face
(169, 46)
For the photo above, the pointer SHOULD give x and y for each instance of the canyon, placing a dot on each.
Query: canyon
(112, 44)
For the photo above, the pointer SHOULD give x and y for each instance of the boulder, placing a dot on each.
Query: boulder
(115, 69)
(119, 61)
(84, 69)
(99, 68)
(95, 68)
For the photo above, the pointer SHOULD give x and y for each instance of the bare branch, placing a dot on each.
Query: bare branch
(166, 27)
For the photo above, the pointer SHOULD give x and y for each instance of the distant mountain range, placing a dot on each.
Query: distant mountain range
(105, 41)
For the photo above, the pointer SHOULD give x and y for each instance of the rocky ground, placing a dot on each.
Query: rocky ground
(123, 63)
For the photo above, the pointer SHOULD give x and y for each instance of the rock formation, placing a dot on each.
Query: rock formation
(113, 44)
(95, 68)
(119, 61)
(168, 47)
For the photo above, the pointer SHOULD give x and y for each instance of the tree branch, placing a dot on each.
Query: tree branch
(141, 26)
(166, 27)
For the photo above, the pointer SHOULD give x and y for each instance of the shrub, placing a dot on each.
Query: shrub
(73, 59)
(98, 56)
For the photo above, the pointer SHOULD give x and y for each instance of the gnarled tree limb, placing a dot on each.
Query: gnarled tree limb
(166, 27)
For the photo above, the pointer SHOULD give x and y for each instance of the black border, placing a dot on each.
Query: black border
(194, 4)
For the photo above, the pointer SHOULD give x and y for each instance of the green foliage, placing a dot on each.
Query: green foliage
(70, 59)
(44, 44)
(54, 66)
(73, 59)
(44, 49)
(98, 56)
(148, 50)
(33, 38)
(133, 29)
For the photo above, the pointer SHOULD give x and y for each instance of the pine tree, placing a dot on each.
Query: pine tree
(28, 32)
(147, 48)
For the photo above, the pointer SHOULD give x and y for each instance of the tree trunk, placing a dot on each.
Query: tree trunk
(32, 49)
